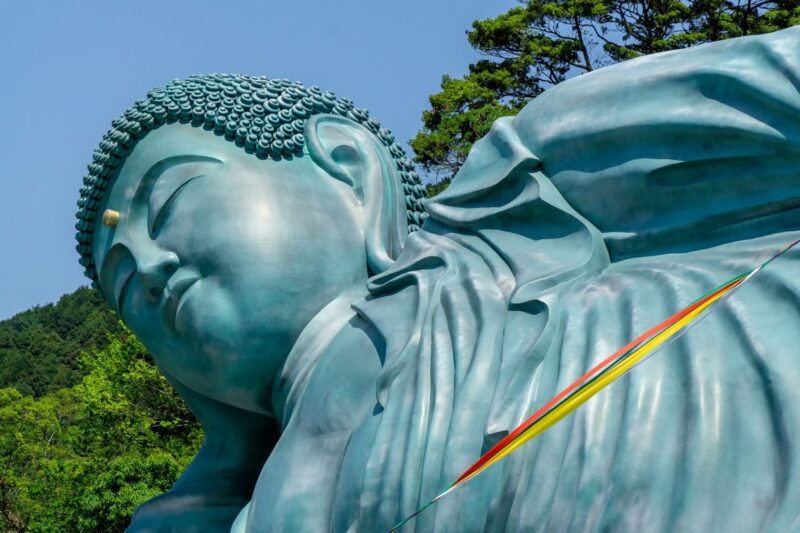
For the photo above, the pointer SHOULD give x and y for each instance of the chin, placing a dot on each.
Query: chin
(219, 365)
(242, 389)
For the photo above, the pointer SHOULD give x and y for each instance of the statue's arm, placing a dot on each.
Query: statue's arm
(675, 151)
(220, 479)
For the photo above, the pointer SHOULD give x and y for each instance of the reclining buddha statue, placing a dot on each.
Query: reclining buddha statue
(351, 347)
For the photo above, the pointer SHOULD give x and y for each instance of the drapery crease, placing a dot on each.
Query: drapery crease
(609, 203)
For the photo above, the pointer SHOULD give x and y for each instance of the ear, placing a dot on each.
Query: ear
(352, 154)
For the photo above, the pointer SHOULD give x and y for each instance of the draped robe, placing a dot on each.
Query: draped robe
(609, 203)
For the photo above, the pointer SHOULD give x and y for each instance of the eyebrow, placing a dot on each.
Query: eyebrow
(154, 172)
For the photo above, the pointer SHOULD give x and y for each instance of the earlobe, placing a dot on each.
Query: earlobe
(350, 153)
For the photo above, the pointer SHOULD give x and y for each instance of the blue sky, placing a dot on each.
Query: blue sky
(69, 68)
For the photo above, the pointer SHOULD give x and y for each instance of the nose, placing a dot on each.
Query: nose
(154, 269)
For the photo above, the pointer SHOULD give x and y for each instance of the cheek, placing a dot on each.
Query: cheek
(209, 318)
(212, 231)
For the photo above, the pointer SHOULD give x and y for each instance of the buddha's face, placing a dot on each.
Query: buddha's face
(219, 259)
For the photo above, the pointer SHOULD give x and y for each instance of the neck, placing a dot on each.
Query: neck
(306, 352)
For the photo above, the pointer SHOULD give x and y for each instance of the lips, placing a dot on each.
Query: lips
(178, 284)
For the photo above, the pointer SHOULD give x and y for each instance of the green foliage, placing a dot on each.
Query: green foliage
(83, 458)
(544, 42)
(435, 188)
(40, 348)
(125, 393)
(33, 452)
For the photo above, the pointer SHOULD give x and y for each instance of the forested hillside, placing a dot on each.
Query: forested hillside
(40, 348)
(89, 429)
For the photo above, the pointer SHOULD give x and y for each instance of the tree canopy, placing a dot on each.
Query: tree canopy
(83, 458)
(40, 348)
(541, 43)
(89, 428)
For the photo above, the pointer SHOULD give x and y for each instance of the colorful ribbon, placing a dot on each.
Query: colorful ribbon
(606, 372)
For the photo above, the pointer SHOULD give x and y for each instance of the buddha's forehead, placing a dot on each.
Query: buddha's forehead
(170, 141)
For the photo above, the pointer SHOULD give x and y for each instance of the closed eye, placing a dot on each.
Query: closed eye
(164, 182)
(158, 212)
